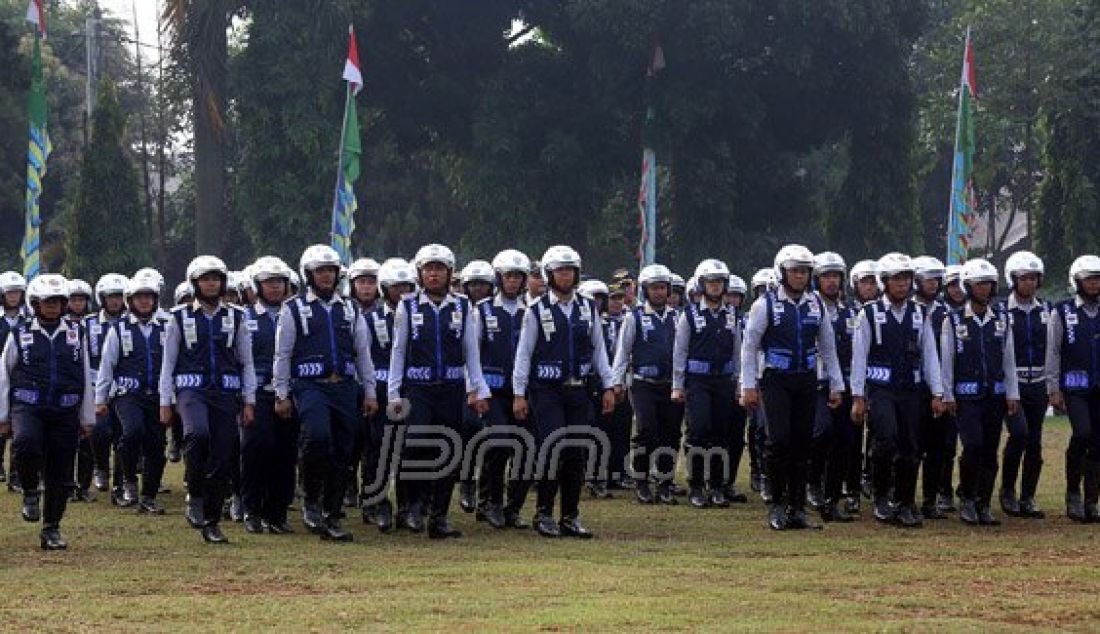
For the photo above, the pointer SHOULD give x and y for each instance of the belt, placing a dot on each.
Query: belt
(574, 383)
(659, 382)
(332, 378)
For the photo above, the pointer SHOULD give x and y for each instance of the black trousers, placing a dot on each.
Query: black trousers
(756, 437)
(656, 440)
(1083, 453)
(142, 440)
(269, 458)
(436, 412)
(44, 442)
(895, 417)
(381, 453)
(1025, 440)
(790, 403)
(209, 436)
(328, 414)
(935, 434)
(561, 466)
(980, 423)
(710, 412)
(617, 425)
(834, 435)
(505, 460)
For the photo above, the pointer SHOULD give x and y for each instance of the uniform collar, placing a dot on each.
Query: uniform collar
(104, 318)
(554, 299)
(261, 308)
(968, 312)
(1079, 301)
(1028, 305)
(313, 297)
(62, 326)
(422, 298)
(886, 304)
(781, 293)
(828, 302)
(702, 305)
(648, 309)
(196, 306)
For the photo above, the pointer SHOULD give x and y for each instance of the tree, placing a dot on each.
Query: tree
(105, 224)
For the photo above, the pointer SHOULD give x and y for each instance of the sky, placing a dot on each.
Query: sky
(147, 20)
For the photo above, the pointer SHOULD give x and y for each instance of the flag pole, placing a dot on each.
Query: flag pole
(340, 163)
(956, 252)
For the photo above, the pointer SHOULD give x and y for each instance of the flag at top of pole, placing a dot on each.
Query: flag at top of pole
(962, 214)
(344, 203)
(38, 148)
(647, 190)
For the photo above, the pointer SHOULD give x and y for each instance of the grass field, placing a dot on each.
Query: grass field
(650, 567)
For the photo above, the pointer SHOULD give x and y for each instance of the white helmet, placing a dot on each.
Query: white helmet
(434, 253)
(692, 285)
(1022, 262)
(144, 281)
(979, 270)
(204, 264)
(110, 284)
(926, 267)
(316, 256)
(80, 287)
(952, 273)
(862, 270)
(478, 271)
(268, 267)
(677, 282)
(295, 279)
(47, 286)
(559, 257)
(12, 281)
(893, 264)
(183, 289)
(592, 288)
(737, 285)
(511, 261)
(792, 256)
(396, 271)
(764, 277)
(1083, 267)
(234, 281)
(710, 269)
(829, 262)
(363, 266)
(654, 273)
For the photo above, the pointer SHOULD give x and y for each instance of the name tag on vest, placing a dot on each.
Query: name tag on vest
(26, 339)
(190, 331)
(417, 319)
(127, 339)
(380, 331)
(252, 325)
(491, 323)
(456, 320)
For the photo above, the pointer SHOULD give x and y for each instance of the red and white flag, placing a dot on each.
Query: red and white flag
(37, 16)
(352, 71)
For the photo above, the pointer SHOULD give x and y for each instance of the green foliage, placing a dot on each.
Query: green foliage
(105, 223)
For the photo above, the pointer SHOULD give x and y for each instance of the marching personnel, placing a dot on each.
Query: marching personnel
(736, 293)
(789, 326)
(864, 283)
(536, 284)
(499, 321)
(834, 431)
(77, 309)
(893, 358)
(1073, 383)
(612, 300)
(206, 372)
(645, 350)
(269, 445)
(435, 362)
(704, 373)
(936, 431)
(560, 348)
(677, 291)
(478, 278)
(46, 400)
(979, 383)
(396, 279)
(321, 346)
(183, 295)
(109, 290)
(362, 281)
(1029, 317)
(131, 357)
(599, 292)
(762, 280)
(953, 293)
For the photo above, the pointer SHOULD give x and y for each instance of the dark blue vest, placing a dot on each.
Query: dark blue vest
(6, 328)
(499, 340)
(1029, 338)
(612, 325)
(979, 355)
(654, 336)
(48, 372)
(138, 366)
(711, 350)
(324, 342)
(563, 346)
(790, 340)
(844, 327)
(262, 329)
(434, 352)
(207, 358)
(95, 329)
(1080, 348)
(380, 324)
(894, 358)
(937, 312)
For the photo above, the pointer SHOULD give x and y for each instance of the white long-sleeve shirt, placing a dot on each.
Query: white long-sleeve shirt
(529, 334)
(947, 354)
(1055, 334)
(242, 348)
(757, 325)
(10, 358)
(628, 332)
(926, 340)
(471, 350)
(286, 335)
(108, 358)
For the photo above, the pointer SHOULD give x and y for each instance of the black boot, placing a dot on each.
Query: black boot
(985, 515)
(101, 480)
(333, 531)
(833, 512)
(1075, 507)
(414, 518)
(440, 528)
(571, 527)
(493, 515)
(815, 496)
(718, 499)
(884, 511)
(1009, 504)
(212, 534)
(149, 506)
(1030, 510)
(907, 518)
(236, 508)
(383, 516)
(796, 519)
(777, 517)
(512, 519)
(968, 512)
(544, 521)
(698, 498)
(468, 498)
(253, 524)
(665, 494)
(312, 517)
(195, 513)
(50, 538)
(32, 510)
(945, 503)
(931, 511)
(733, 495)
(643, 492)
